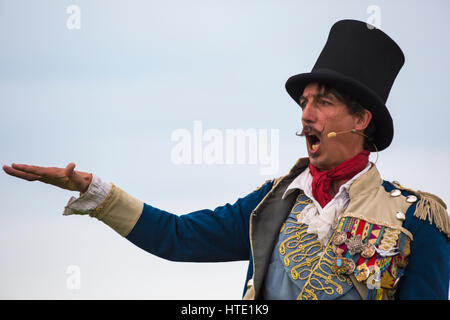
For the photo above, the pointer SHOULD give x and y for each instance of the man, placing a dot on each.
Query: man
(330, 228)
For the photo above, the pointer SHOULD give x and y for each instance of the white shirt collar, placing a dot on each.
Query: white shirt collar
(304, 180)
(322, 221)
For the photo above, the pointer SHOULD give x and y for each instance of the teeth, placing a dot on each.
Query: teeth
(315, 146)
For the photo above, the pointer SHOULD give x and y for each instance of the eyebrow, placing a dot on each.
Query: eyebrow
(318, 96)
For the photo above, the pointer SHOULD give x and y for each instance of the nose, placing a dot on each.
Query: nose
(309, 113)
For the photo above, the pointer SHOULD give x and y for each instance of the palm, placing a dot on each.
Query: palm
(66, 178)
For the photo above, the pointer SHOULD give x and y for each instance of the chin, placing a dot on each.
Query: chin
(321, 164)
(313, 159)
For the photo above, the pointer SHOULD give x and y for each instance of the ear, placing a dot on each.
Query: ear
(362, 120)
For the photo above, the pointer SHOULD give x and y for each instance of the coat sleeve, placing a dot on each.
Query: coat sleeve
(427, 273)
(206, 235)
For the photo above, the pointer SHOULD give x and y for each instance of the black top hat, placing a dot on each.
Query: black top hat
(362, 62)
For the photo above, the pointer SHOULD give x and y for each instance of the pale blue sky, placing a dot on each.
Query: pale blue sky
(108, 97)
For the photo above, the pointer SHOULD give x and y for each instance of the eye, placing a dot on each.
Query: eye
(302, 104)
(324, 102)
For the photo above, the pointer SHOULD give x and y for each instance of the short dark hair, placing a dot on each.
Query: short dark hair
(354, 108)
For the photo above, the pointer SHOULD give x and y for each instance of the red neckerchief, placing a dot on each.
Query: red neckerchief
(322, 179)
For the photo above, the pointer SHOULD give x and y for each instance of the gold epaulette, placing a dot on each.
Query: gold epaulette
(430, 207)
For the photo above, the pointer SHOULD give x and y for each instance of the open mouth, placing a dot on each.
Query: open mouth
(313, 142)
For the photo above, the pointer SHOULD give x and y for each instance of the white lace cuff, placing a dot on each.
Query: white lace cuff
(91, 199)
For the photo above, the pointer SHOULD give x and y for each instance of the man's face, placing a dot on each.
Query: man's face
(322, 114)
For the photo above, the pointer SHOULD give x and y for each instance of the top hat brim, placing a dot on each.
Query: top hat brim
(384, 132)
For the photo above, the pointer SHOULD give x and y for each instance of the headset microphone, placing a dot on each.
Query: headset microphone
(334, 134)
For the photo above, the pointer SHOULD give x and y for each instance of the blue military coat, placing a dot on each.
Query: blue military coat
(223, 234)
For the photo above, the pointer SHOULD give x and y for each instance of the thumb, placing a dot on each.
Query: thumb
(81, 180)
(68, 171)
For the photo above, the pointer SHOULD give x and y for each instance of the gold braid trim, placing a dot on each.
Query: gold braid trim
(430, 207)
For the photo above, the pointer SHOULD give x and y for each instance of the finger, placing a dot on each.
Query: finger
(20, 174)
(50, 172)
(29, 169)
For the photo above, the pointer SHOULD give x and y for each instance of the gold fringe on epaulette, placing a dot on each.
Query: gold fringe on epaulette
(434, 209)
(430, 207)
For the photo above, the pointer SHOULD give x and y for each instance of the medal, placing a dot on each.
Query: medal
(362, 272)
(368, 251)
(343, 265)
(339, 238)
(354, 245)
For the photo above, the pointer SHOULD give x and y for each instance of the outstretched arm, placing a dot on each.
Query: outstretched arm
(204, 235)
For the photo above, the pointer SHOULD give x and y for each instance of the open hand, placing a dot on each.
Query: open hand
(66, 178)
